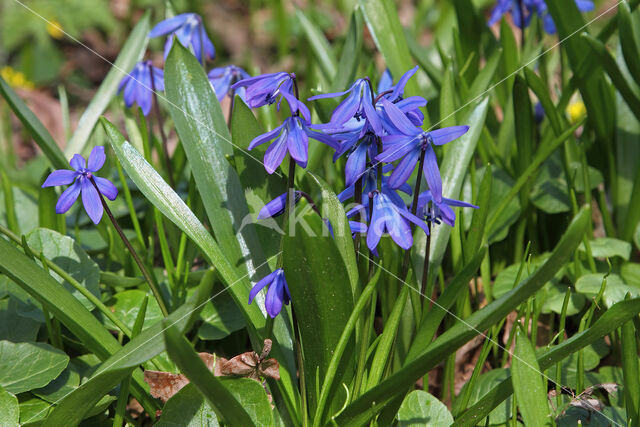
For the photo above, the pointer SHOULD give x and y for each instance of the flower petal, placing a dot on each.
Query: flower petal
(274, 207)
(356, 163)
(91, 201)
(77, 162)
(261, 139)
(398, 119)
(376, 225)
(405, 168)
(261, 284)
(60, 177)
(298, 143)
(444, 135)
(275, 295)
(169, 25)
(68, 197)
(275, 154)
(432, 174)
(96, 159)
(106, 187)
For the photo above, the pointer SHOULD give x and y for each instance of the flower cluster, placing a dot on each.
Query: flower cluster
(523, 10)
(385, 128)
(140, 84)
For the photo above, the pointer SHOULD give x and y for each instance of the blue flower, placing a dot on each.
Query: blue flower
(439, 211)
(358, 104)
(137, 85)
(81, 177)
(528, 8)
(223, 77)
(389, 217)
(277, 294)
(358, 137)
(190, 32)
(408, 144)
(266, 88)
(292, 136)
(276, 206)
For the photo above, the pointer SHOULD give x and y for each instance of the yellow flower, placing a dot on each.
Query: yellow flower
(55, 29)
(576, 111)
(15, 78)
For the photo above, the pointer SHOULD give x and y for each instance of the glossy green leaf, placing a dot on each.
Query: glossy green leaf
(9, 410)
(190, 364)
(333, 210)
(25, 366)
(420, 408)
(220, 317)
(57, 389)
(616, 290)
(140, 349)
(609, 247)
(322, 298)
(35, 127)
(68, 255)
(126, 305)
(630, 371)
(384, 25)
(203, 133)
(14, 327)
(188, 408)
(366, 405)
(528, 385)
(319, 45)
(609, 321)
(130, 53)
(453, 169)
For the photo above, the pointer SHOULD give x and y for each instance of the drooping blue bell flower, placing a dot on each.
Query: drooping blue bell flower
(222, 78)
(136, 86)
(277, 292)
(189, 30)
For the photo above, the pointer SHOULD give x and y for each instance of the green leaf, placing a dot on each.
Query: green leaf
(322, 298)
(28, 208)
(364, 407)
(528, 385)
(35, 127)
(610, 320)
(68, 255)
(153, 187)
(126, 305)
(420, 408)
(220, 317)
(454, 167)
(9, 410)
(319, 45)
(609, 247)
(32, 409)
(333, 210)
(14, 327)
(384, 25)
(25, 366)
(64, 384)
(203, 133)
(252, 397)
(188, 408)
(132, 51)
(140, 349)
(589, 285)
(190, 364)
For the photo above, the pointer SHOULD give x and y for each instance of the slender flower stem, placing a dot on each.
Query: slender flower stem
(358, 194)
(425, 268)
(165, 145)
(134, 254)
(414, 207)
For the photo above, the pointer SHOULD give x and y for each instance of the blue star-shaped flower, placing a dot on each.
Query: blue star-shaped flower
(439, 211)
(222, 78)
(81, 177)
